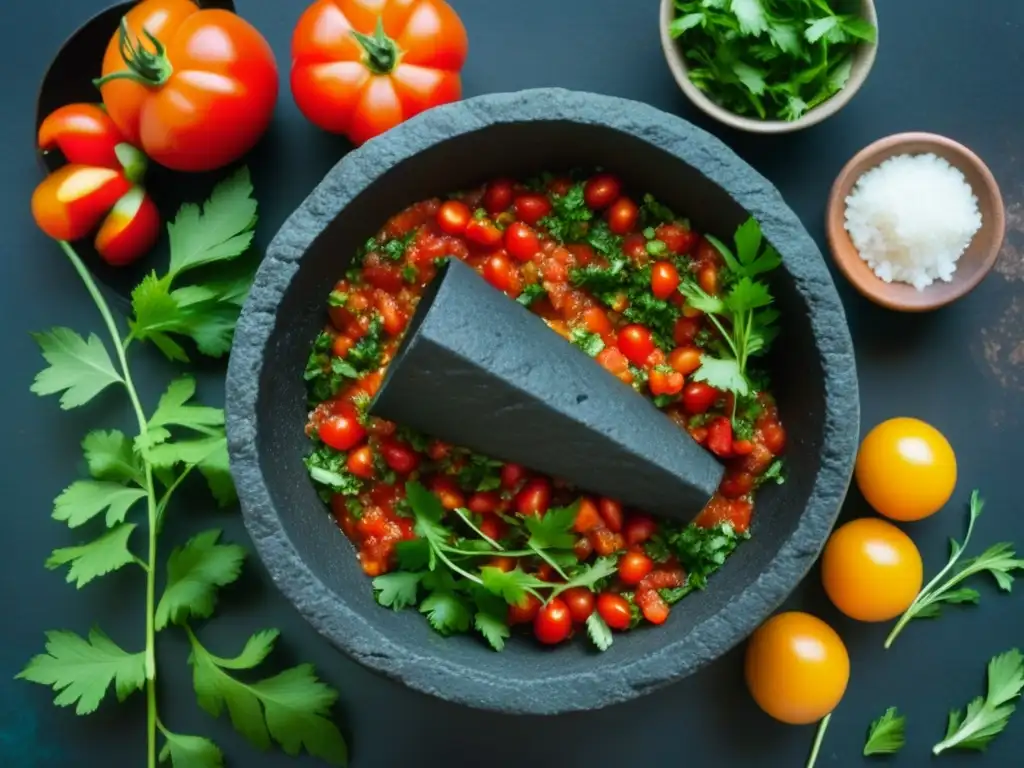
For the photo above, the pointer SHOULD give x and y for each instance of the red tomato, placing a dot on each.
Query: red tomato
(526, 611)
(69, 203)
(636, 343)
(341, 346)
(707, 279)
(130, 230)
(661, 383)
(635, 248)
(393, 318)
(698, 397)
(615, 610)
(774, 437)
(342, 430)
(606, 542)
(521, 241)
(498, 196)
(511, 476)
(736, 512)
(611, 513)
(361, 67)
(484, 502)
(499, 272)
(580, 602)
(720, 437)
(553, 622)
(453, 217)
(686, 360)
(83, 133)
(612, 360)
(535, 498)
(686, 330)
(360, 463)
(633, 566)
(202, 97)
(532, 208)
(664, 279)
(601, 191)
(493, 527)
(483, 232)
(588, 517)
(560, 186)
(448, 492)
(742, 447)
(735, 485)
(399, 456)
(678, 238)
(504, 564)
(638, 529)
(595, 319)
(623, 216)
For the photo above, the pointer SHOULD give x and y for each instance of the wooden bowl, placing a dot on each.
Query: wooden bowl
(975, 262)
(864, 59)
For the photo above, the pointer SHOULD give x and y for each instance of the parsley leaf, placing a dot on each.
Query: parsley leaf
(327, 469)
(598, 632)
(85, 499)
(554, 530)
(99, 557)
(78, 368)
(702, 551)
(999, 560)
(493, 628)
(173, 410)
(110, 456)
(887, 734)
(194, 573)
(447, 612)
(190, 751)
(531, 293)
(82, 670)
(292, 707)
(591, 343)
(397, 590)
(568, 221)
(985, 718)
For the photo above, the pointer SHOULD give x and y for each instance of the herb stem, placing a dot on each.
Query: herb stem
(150, 568)
(818, 739)
(465, 518)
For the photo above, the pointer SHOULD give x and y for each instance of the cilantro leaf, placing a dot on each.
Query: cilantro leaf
(568, 221)
(172, 410)
(493, 628)
(78, 368)
(85, 499)
(887, 734)
(598, 632)
(986, 717)
(397, 590)
(110, 456)
(99, 557)
(591, 343)
(292, 708)
(723, 373)
(531, 293)
(219, 231)
(555, 529)
(513, 586)
(190, 751)
(702, 551)
(194, 573)
(208, 454)
(447, 612)
(82, 670)
(591, 574)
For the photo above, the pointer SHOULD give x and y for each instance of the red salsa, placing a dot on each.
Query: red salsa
(478, 543)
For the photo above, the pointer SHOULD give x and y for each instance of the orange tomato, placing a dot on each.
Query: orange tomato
(797, 668)
(871, 570)
(198, 87)
(361, 67)
(906, 469)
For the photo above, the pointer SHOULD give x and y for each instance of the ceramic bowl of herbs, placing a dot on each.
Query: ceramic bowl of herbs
(770, 68)
(517, 136)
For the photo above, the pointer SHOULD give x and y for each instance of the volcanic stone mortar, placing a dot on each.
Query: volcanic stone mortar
(454, 147)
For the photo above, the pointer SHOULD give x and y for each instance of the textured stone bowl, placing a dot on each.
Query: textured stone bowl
(450, 148)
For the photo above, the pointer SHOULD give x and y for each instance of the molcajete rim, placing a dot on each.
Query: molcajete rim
(605, 683)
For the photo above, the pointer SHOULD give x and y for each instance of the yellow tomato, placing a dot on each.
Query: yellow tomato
(797, 668)
(906, 469)
(871, 570)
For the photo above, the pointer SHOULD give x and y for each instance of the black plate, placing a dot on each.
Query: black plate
(454, 147)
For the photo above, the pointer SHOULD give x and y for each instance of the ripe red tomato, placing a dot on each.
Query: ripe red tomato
(774, 436)
(664, 279)
(588, 517)
(623, 216)
(499, 272)
(686, 360)
(532, 208)
(611, 514)
(130, 230)
(498, 196)
(636, 343)
(686, 330)
(662, 383)
(736, 484)
(203, 97)
(360, 463)
(580, 602)
(615, 610)
(521, 241)
(601, 191)
(69, 203)
(342, 430)
(720, 437)
(83, 133)
(635, 248)
(493, 527)
(553, 622)
(361, 67)
(524, 612)
(535, 498)
(638, 529)
(453, 217)
(511, 476)
(633, 566)
(399, 456)
(447, 492)
(484, 502)
(698, 397)
(484, 233)
(678, 238)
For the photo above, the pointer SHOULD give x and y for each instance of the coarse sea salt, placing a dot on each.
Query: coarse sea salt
(911, 218)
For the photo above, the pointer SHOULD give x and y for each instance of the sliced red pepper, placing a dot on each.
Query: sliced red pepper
(70, 202)
(84, 133)
(130, 230)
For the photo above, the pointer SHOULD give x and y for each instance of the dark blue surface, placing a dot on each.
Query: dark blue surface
(951, 68)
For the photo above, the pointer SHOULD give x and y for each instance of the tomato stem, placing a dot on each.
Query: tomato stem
(382, 53)
(149, 68)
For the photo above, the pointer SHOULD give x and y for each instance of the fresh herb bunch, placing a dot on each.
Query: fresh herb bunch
(1000, 561)
(129, 474)
(770, 59)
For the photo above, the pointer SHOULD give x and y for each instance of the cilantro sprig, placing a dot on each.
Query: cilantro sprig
(742, 314)
(769, 60)
(1000, 561)
(986, 717)
(887, 735)
(118, 511)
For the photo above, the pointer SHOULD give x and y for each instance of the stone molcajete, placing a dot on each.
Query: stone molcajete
(485, 373)
(516, 135)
